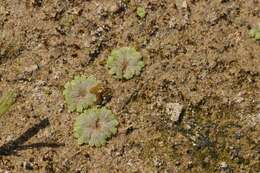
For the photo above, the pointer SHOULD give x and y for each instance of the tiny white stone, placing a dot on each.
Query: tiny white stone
(31, 68)
(174, 110)
(223, 165)
(181, 4)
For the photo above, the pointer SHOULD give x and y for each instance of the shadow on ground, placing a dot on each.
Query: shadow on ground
(13, 146)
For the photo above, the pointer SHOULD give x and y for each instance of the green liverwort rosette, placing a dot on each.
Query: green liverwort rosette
(95, 126)
(78, 93)
(124, 63)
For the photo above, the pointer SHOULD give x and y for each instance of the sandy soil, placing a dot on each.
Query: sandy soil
(200, 57)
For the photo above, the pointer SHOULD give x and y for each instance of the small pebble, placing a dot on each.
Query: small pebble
(223, 166)
(31, 68)
(174, 110)
(27, 165)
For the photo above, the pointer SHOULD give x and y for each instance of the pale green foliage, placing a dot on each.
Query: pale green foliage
(141, 12)
(78, 93)
(95, 126)
(255, 32)
(124, 63)
(6, 101)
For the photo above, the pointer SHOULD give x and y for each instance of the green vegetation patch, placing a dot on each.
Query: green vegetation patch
(124, 63)
(141, 12)
(6, 101)
(95, 126)
(80, 93)
(255, 32)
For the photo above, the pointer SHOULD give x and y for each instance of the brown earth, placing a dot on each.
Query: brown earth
(199, 56)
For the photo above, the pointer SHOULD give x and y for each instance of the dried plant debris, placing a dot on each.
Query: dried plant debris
(82, 93)
(7, 99)
(141, 12)
(95, 126)
(255, 32)
(124, 63)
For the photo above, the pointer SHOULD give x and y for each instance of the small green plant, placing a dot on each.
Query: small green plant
(6, 101)
(95, 126)
(141, 12)
(124, 63)
(255, 32)
(82, 93)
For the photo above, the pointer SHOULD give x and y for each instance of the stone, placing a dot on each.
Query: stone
(174, 110)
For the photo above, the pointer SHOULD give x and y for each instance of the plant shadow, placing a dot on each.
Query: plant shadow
(13, 146)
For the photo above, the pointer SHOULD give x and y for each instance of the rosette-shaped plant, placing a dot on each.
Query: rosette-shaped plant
(255, 32)
(124, 63)
(95, 126)
(7, 99)
(141, 12)
(82, 93)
